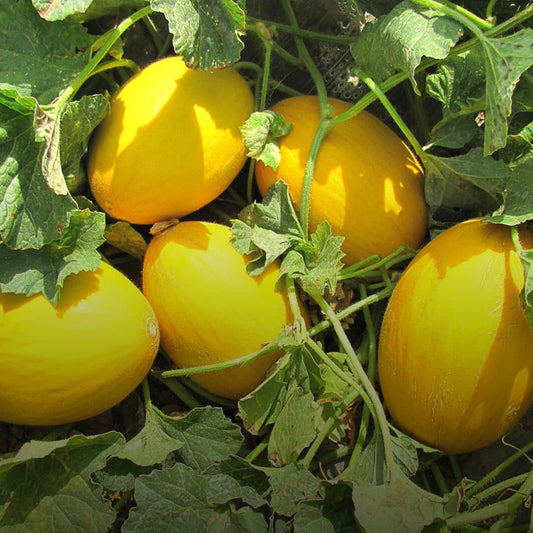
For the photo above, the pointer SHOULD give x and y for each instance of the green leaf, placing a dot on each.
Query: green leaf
(207, 33)
(399, 40)
(518, 203)
(507, 58)
(50, 486)
(294, 428)
(527, 294)
(83, 10)
(235, 478)
(261, 132)
(31, 215)
(267, 229)
(291, 485)
(159, 437)
(179, 499)
(459, 83)
(470, 181)
(335, 513)
(399, 502)
(45, 269)
(207, 435)
(320, 262)
(125, 237)
(77, 123)
(262, 407)
(53, 52)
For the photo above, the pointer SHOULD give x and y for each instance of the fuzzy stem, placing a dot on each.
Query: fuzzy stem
(505, 507)
(90, 68)
(326, 429)
(455, 11)
(367, 386)
(408, 134)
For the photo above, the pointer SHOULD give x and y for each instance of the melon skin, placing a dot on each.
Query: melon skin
(171, 142)
(76, 360)
(367, 183)
(455, 351)
(209, 308)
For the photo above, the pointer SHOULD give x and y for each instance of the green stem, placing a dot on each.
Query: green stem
(455, 11)
(323, 127)
(353, 308)
(305, 200)
(408, 134)
(128, 63)
(323, 356)
(239, 361)
(175, 385)
(89, 69)
(505, 507)
(489, 11)
(146, 392)
(326, 429)
(498, 470)
(439, 479)
(475, 24)
(209, 397)
(375, 263)
(367, 386)
(457, 474)
(303, 33)
(497, 488)
(257, 451)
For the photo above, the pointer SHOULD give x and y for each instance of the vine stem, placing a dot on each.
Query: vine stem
(361, 375)
(507, 506)
(324, 432)
(475, 24)
(408, 134)
(325, 113)
(92, 65)
(459, 11)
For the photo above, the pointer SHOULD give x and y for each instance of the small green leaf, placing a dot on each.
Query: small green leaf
(262, 407)
(507, 58)
(268, 229)
(125, 237)
(518, 203)
(207, 435)
(334, 513)
(527, 293)
(45, 269)
(321, 264)
(159, 437)
(294, 428)
(459, 83)
(207, 33)
(261, 132)
(399, 40)
(291, 485)
(469, 181)
(78, 121)
(235, 478)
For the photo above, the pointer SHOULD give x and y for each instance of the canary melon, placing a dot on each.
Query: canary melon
(171, 142)
(455, 349)
(209, 308)
(367, 183)
(76, 360)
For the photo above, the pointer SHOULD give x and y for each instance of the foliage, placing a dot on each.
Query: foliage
(311, 448)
